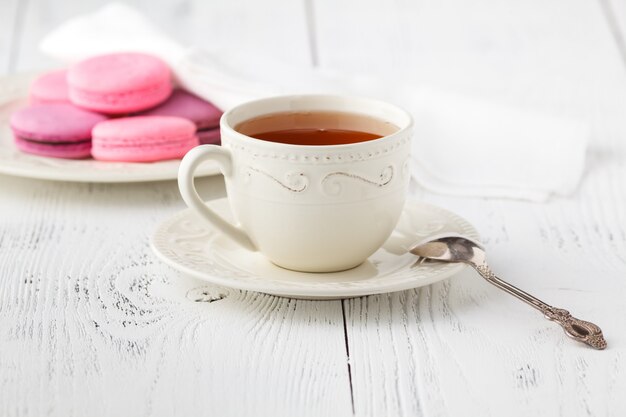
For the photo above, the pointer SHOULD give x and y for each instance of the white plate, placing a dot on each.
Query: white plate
(191, 245)
(13, 93)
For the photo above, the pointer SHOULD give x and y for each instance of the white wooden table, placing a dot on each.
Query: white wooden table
(92, 324)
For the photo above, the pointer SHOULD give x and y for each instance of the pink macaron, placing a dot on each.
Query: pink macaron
(50, 87)
(143, 138)
(205, 115)
(59, 130)
(119, 83)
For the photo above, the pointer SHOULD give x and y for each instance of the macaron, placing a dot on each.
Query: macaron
(143, 138)
(119, 83)
(59, 130)
(205, 115)
(209, 136)
(50, 87)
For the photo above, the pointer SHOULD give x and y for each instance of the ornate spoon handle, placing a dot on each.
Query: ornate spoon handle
(581, 330)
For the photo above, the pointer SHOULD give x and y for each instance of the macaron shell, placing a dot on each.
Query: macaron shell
(75, 150)
(119, 83)
(144, 153)
(189, 106)
(56, 122)
(50, 88)
(143, 138)
(121, 103)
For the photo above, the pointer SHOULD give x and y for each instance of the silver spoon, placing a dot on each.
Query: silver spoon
(456, 248)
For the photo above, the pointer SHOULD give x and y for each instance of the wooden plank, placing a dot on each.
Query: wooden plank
(615, 14)
(8, 22)
(275, 29)
(91, 323)
(462, 347)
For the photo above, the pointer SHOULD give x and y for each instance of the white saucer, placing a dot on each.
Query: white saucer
(193, 246)
(13, 93)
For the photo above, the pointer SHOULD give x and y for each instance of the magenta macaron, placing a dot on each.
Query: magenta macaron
(209, 136)
(202, 113)
(50, 87)
(59, 130)
(143, 138)
(119, 83)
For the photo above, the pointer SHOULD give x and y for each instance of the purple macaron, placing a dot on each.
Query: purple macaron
(202, 113)
(57, 130)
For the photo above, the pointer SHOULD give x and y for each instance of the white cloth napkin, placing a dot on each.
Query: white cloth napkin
(489, 150)
(463, 146)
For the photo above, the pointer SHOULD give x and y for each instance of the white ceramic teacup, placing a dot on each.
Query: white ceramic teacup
(307, 208)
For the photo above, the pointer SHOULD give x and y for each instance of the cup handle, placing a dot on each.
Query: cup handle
(190, 195)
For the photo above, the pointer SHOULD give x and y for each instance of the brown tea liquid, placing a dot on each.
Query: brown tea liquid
(316, 128)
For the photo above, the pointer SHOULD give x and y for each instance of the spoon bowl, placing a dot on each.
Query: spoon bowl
(450, 248)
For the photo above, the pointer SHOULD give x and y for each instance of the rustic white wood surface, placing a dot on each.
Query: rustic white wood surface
(91, 323)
